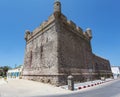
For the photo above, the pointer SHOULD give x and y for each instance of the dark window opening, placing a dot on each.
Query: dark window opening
(30, 58)
(41, 50)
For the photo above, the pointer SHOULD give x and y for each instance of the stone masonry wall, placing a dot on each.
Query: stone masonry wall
(41, 56)
(74, 51)
(102, 67)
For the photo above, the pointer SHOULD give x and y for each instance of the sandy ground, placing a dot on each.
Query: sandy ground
(25, 88)
(2, 82)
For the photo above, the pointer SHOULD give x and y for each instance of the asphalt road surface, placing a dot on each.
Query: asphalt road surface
(110, 89)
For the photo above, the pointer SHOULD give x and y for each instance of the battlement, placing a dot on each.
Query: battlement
(40, 29)
(87, 34)
(72, 24)
(57, 15)
(51, 19)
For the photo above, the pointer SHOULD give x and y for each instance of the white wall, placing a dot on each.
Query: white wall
(115, 70)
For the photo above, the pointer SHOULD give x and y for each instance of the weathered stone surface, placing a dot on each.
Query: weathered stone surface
(59, 48)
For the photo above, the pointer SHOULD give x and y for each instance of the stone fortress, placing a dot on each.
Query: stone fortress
(59, 48)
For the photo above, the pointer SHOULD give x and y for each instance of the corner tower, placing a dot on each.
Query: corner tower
(57, 6)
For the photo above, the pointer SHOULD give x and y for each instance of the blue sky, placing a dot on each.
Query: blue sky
(102, 16)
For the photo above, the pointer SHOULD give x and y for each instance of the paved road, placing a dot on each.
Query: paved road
(106, 90)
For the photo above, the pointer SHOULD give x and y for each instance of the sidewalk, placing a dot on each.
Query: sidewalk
(87, 84)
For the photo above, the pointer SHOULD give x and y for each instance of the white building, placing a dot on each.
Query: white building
(116, 71)
(15, 73)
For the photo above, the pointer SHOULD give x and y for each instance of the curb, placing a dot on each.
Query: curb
(91, 85)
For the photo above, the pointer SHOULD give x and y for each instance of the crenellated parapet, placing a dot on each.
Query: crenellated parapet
(72, 24)
(57, 15)
(86, 35)
(79, 30)
(43, 26)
